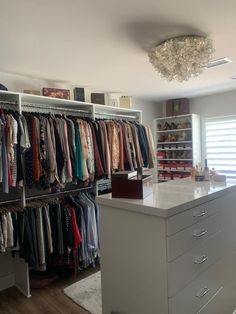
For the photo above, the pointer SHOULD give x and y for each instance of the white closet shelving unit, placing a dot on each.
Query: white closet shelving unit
(14, 271)
(178, 146)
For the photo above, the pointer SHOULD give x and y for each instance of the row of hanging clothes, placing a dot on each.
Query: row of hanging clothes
(50, 151)
(13, 142)
(50, 233)
(122, 145)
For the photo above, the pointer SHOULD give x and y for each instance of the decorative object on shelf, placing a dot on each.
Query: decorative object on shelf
(79, 94)
(56, 93)
(126, 102)
(98, 98)
(2, 87)
(181, 58)
(32, 92)
(113, 99)
(175, 107)
(113, 102)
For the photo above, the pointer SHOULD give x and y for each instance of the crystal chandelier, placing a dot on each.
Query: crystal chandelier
(182, 57)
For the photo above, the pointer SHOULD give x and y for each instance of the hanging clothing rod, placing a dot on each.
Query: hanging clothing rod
(8, 105)
(10, 201)
(59, 193)
(116, 115)
(47, 195)
(4, 102)
(37, 106)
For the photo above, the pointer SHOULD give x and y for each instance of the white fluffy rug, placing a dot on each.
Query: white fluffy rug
(87, 293)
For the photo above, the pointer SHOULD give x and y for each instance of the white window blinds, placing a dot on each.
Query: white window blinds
(221, 144)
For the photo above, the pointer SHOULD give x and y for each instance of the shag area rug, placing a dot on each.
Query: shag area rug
(87, 293)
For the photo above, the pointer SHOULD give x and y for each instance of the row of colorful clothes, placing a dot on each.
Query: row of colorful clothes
(71, 150)
(122, 145)
(58, 233)
(50, 151)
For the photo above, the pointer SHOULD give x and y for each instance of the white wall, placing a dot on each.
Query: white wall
(151, 110)
(19, 83)
(222, 104)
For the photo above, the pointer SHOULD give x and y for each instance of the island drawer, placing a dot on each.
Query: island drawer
(196, 295)
(192, 236)
(193, 215)
(222, 303)
(188, 266)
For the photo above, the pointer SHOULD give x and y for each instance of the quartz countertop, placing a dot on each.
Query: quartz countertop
(171, 197)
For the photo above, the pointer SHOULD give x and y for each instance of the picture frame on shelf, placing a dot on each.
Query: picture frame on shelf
(79, 94)
(56, 93)
(126, 102)
(175, 107)
(98, 98)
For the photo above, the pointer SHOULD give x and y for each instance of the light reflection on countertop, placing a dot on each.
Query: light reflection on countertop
(172, 197)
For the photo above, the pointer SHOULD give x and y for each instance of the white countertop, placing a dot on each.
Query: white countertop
(171, 197)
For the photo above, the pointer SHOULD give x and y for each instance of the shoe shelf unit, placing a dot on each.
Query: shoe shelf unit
(178, 146)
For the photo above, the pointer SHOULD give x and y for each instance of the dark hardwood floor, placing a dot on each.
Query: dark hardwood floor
(48, 300)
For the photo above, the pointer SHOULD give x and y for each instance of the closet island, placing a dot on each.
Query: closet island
(172, 252)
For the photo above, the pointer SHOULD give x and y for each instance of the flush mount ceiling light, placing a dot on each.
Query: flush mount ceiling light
(181, 58)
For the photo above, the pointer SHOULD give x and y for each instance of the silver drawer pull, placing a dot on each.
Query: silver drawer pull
(202, 213)
(200, 234)
(201, 259)
(204, 291)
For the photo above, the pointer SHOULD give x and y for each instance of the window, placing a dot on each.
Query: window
(221, 144)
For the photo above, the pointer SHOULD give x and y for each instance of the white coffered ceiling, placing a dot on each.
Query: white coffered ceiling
(103, 44)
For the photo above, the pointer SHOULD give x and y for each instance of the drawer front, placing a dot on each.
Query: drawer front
(188, 238)
(185, 268)
(196, 295)
(196, 214)
(222, 303)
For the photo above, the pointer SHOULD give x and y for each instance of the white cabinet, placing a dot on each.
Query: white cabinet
(182, 264)
(178, 146)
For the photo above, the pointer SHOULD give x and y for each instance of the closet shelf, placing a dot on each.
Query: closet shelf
(27, 100)
(165, 159)
(173, 117)
(172, 149)
(179, 142)
(174, 170)
(174, 130)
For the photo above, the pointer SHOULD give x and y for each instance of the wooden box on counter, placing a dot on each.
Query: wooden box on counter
(135, 187)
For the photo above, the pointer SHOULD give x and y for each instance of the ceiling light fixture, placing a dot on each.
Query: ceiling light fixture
(181, 58)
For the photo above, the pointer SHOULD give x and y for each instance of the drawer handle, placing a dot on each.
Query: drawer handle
(201, 259)
(204, 291)
(202, 213)
(200, 234)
